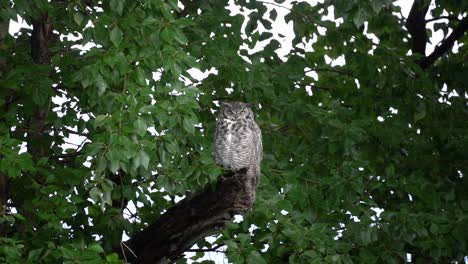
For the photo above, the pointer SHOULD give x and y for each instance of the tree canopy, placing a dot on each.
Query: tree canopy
(104, 126)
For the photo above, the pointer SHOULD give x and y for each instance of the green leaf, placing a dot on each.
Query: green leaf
(140, 76)
(107, 197)
(113, 166)
(420, 112)
(144, 159)
(34, 255)
(140, 127)
(359, 18)
(78, 17)
(273, 14)
(99, 120)
(377, 5)
(117, 6)
(96, 248)
(167, 35)
(255, 258)
(189, 125)
(180, 37)
(95, 194)
(166, 10)
(101, 85)
(113, 258)
(148, 109)
(116, 36)
(101, 165)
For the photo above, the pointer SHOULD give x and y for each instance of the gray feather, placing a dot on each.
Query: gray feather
(238, 139)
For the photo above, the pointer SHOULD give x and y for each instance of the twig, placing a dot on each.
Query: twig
(129, 249)
(275, 4)
(442, 17)
(344, 72)
(74, 132)
(67, 155)
(208, 249)
(123, 252)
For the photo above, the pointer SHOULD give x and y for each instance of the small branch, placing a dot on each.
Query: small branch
(213, 249)
(73, 154)
(123, 252)
(344, 72)
(67, 155)
(74, 132)
(442, 17)
(129, 249)
(445, 45)
(275, 4)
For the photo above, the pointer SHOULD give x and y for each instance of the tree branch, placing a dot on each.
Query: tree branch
(416, 25)
(213, 249)
(203, 214)
(4, 25)
(335, 70)
(445, 45)
(442, 17)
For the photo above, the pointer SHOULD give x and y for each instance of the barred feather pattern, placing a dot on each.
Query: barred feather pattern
(238, 140)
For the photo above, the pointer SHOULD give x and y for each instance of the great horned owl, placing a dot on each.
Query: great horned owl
(238, 140)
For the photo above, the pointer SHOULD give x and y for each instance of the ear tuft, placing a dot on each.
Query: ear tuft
(225, 104)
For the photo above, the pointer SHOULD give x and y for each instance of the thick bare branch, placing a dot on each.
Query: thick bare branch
(416, 25)
(446, 44)
(192, 219)
(455, 18)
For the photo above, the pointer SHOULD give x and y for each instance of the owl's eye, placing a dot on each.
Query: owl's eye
(228, 112)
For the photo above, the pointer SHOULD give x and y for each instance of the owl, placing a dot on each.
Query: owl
(238, 139)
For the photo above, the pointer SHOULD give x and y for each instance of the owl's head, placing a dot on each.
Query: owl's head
(235, 111)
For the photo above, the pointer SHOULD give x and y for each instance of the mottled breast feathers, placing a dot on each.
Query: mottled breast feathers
(238, 139)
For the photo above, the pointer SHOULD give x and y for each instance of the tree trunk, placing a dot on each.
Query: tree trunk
(4, 26)
(202, 214)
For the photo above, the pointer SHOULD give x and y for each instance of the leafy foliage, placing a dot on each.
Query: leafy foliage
(364, 162)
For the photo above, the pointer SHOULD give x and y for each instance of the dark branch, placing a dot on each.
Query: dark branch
(445, 45)
(213, 249)
(335, 70)
(4, 25)
(203, 214)
(416, 25)
(67, 155)
(442, 17)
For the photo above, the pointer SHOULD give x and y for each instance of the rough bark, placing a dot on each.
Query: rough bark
(4, 25)
(42, 37)
(416, 25)
(37, 138)
(192, 219)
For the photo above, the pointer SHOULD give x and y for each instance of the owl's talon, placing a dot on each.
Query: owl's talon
(242, 171)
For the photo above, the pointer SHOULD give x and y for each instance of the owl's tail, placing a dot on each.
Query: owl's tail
(253, 178)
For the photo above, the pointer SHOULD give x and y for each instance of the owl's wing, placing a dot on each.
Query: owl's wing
(258, 143)
(216, 144)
